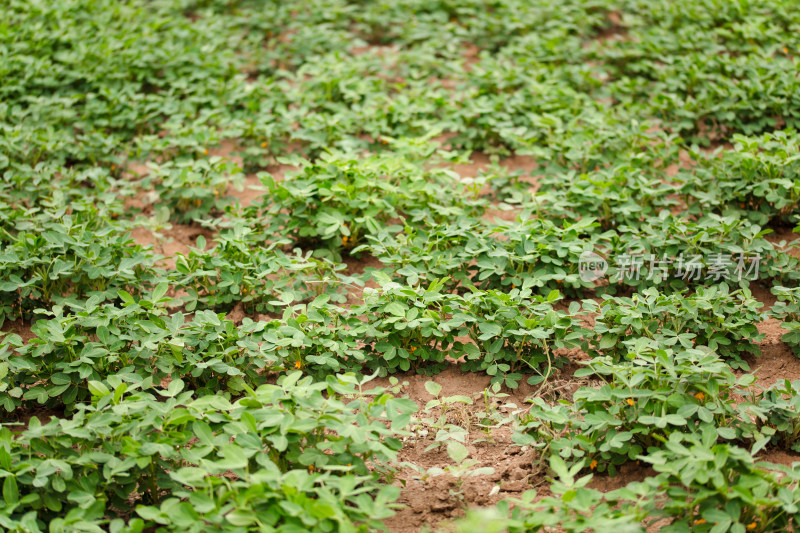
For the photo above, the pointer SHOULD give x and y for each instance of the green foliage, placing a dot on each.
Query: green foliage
(712, 486)
(713, 316)
(787, 309)
(413, 327)
(528, 253)
(641, 403)
(504, 109)
(779, 408)
(572, 507)
(140, 341)
(193, 188)
(244, 267)
(340, 199)
(622, 195)
(65, 249)
(759, 179)
(519, 333)
(295, 454)
(679, 252)
(701, 486)
(729, 66)
(387, 135)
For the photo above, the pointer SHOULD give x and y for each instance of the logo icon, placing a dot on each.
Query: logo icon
(591, 266)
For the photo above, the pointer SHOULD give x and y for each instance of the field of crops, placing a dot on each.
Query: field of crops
(462, 266)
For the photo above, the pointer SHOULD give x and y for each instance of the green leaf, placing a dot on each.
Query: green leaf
(489, 330)
(607, 341)
(127, 299)
(203, 432)
(241, 517)
(726, 433)
(395, 309)
(37, 393)
(433, 388)
(173, 389)
(59, 378)
(98, 389)
(10, 490)
(559, 467)
(457, 451)
(234, 457)
(161, 289)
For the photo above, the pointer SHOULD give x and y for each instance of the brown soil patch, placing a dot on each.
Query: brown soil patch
(632, 471)
(783, 234)
(359, 267)
(251, 190)
(763, 295)
(780, 457)
(685, 162)
(20, 419)
(19, 327)
(436, 499)
(178, 239)
(430, 501)
(777, 362)
(253, 187)
(480, 162)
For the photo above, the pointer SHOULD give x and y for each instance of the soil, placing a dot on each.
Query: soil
(19, 327)
(357, 267)
(480, 162)
(176, 239)
(253, 188)
(786, 235)
(180, 238)
(20, 419)
(435, 499)
(431, 501)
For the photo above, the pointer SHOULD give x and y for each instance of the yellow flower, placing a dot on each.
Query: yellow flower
(205, 152)
(700, 521)
(310, 468)
(630, 401)
(263, 145)
(298, 365)
(785, 50)
(751, 525)
(112, 168)
(700, 396)
(593, 464)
